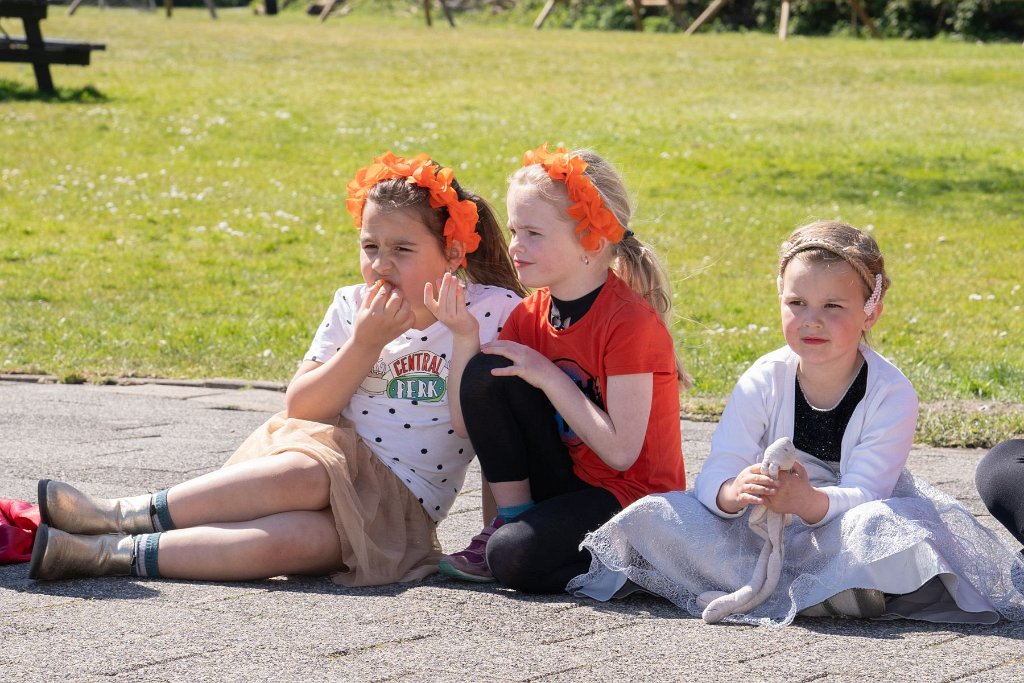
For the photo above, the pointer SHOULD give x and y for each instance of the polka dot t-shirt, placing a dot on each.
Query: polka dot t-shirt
(401, 409)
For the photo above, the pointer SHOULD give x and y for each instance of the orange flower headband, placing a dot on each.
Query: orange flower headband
(422, 172)
(595, 219)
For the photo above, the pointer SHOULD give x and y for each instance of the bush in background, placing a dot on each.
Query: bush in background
(986, 20)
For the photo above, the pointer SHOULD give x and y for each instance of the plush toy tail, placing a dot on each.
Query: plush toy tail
(739, 601)
(768, 525)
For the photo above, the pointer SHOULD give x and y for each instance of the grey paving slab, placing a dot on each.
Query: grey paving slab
(117, 440)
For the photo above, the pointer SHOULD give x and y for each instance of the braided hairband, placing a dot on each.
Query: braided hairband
(875, 282)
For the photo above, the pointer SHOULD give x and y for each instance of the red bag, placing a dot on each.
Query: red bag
(18, 523)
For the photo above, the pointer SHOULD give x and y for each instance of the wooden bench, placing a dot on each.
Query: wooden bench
(33, 49)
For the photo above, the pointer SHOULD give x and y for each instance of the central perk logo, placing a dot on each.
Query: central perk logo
(413, 377)
(417, 388)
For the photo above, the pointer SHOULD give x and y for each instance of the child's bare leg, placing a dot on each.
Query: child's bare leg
(299, 542)
(487, 504)
(508, 493)
(250, 490)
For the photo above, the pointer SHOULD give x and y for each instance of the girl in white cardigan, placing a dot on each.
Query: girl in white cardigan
(867, 538)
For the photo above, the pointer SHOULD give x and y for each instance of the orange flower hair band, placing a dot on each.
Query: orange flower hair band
(421, 171)
(595, 219)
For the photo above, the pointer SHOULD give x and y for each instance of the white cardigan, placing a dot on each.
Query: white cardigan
(760, 410)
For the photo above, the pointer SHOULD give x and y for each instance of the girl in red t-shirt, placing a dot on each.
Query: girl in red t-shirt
(574, 411)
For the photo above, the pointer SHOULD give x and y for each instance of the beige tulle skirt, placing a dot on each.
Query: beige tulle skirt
(386, 536)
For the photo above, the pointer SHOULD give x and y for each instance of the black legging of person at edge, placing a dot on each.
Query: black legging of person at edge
(1000, 481)
(514, 432)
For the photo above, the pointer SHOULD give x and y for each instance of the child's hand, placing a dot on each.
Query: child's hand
(795, 494)
(450, 306)
(750, 487)
(384, 315)
(527, 363)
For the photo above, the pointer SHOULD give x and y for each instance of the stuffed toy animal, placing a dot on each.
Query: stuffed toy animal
(768, 525)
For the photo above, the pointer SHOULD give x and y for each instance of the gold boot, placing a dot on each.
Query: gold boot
(58, 555)
(64, 507)
(864, 603)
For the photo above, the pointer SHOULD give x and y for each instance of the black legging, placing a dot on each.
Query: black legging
(1000, 481)
(514, 433)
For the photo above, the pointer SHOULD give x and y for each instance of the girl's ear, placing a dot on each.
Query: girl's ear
(455, 254)
(870, 321)
(602, 245)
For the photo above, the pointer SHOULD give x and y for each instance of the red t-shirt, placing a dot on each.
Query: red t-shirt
(620, 335)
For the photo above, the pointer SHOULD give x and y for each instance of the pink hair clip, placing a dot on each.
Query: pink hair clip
(876, 296)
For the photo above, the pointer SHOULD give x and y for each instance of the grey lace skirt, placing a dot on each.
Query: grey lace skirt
(920, 546)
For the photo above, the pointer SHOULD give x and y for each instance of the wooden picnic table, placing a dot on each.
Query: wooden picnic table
(33, 49)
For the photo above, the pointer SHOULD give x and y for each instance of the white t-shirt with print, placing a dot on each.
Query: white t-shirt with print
(401, 409)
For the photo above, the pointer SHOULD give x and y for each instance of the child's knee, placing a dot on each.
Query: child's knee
(478, 384)
(1011, 451)
(996, 470)
(310, 543)
(479, 366)
(512, 557)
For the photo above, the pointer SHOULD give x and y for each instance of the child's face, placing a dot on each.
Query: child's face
(395, 246)
(543, 245)
(823, 311)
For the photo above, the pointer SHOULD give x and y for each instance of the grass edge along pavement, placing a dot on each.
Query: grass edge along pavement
(946, 424)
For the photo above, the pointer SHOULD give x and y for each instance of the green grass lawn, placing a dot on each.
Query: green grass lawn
(180, 210)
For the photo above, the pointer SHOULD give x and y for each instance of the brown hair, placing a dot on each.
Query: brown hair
(490, 264)
(833, 241)
(635, 262)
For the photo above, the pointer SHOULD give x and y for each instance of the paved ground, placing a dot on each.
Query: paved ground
(117, 440)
